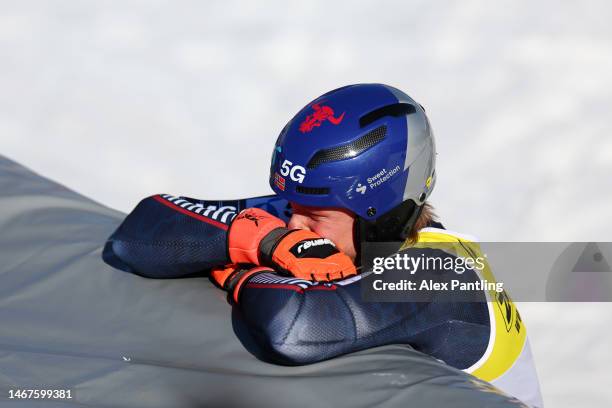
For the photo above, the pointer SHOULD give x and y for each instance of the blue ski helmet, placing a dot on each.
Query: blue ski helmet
(367, 148)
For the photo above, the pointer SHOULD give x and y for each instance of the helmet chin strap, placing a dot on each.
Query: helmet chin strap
(393, 226)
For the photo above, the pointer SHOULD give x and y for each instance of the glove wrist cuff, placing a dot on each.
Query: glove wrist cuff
(269, 243)
(240, 278)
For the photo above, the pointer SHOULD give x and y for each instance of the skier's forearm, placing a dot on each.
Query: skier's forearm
(169, 237)
(296, 322)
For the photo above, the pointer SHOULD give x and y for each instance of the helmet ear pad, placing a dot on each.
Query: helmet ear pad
(394, 225)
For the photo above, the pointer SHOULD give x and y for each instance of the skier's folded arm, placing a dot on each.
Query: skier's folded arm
(164, 237)
(301, 322)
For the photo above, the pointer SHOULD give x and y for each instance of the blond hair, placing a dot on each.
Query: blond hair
(427, 215)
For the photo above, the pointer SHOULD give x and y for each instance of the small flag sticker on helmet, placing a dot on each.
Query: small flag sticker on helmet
(279, 181)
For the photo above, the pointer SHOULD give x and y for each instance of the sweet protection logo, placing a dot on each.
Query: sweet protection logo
(321, 114)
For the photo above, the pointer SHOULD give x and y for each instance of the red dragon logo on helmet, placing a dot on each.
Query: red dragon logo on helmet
(320, 115)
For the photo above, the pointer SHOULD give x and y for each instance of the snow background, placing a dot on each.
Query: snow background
(122, 99)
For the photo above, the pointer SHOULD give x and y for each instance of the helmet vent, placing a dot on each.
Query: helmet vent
(312, 190)
(397, 109)
(349, 150)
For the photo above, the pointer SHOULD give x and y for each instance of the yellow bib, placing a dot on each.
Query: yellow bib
(508, 334)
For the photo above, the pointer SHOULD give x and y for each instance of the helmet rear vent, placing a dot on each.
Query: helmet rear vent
(397, 109)
(349, 150)
(312, 190)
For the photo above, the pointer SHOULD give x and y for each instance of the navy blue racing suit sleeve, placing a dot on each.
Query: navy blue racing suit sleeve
(170, 237)
(300, 322)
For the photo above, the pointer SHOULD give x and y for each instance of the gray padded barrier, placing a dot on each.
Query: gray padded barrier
(69, 321)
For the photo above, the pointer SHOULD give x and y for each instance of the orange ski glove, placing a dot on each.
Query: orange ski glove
(232, 277)
(258, 237)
